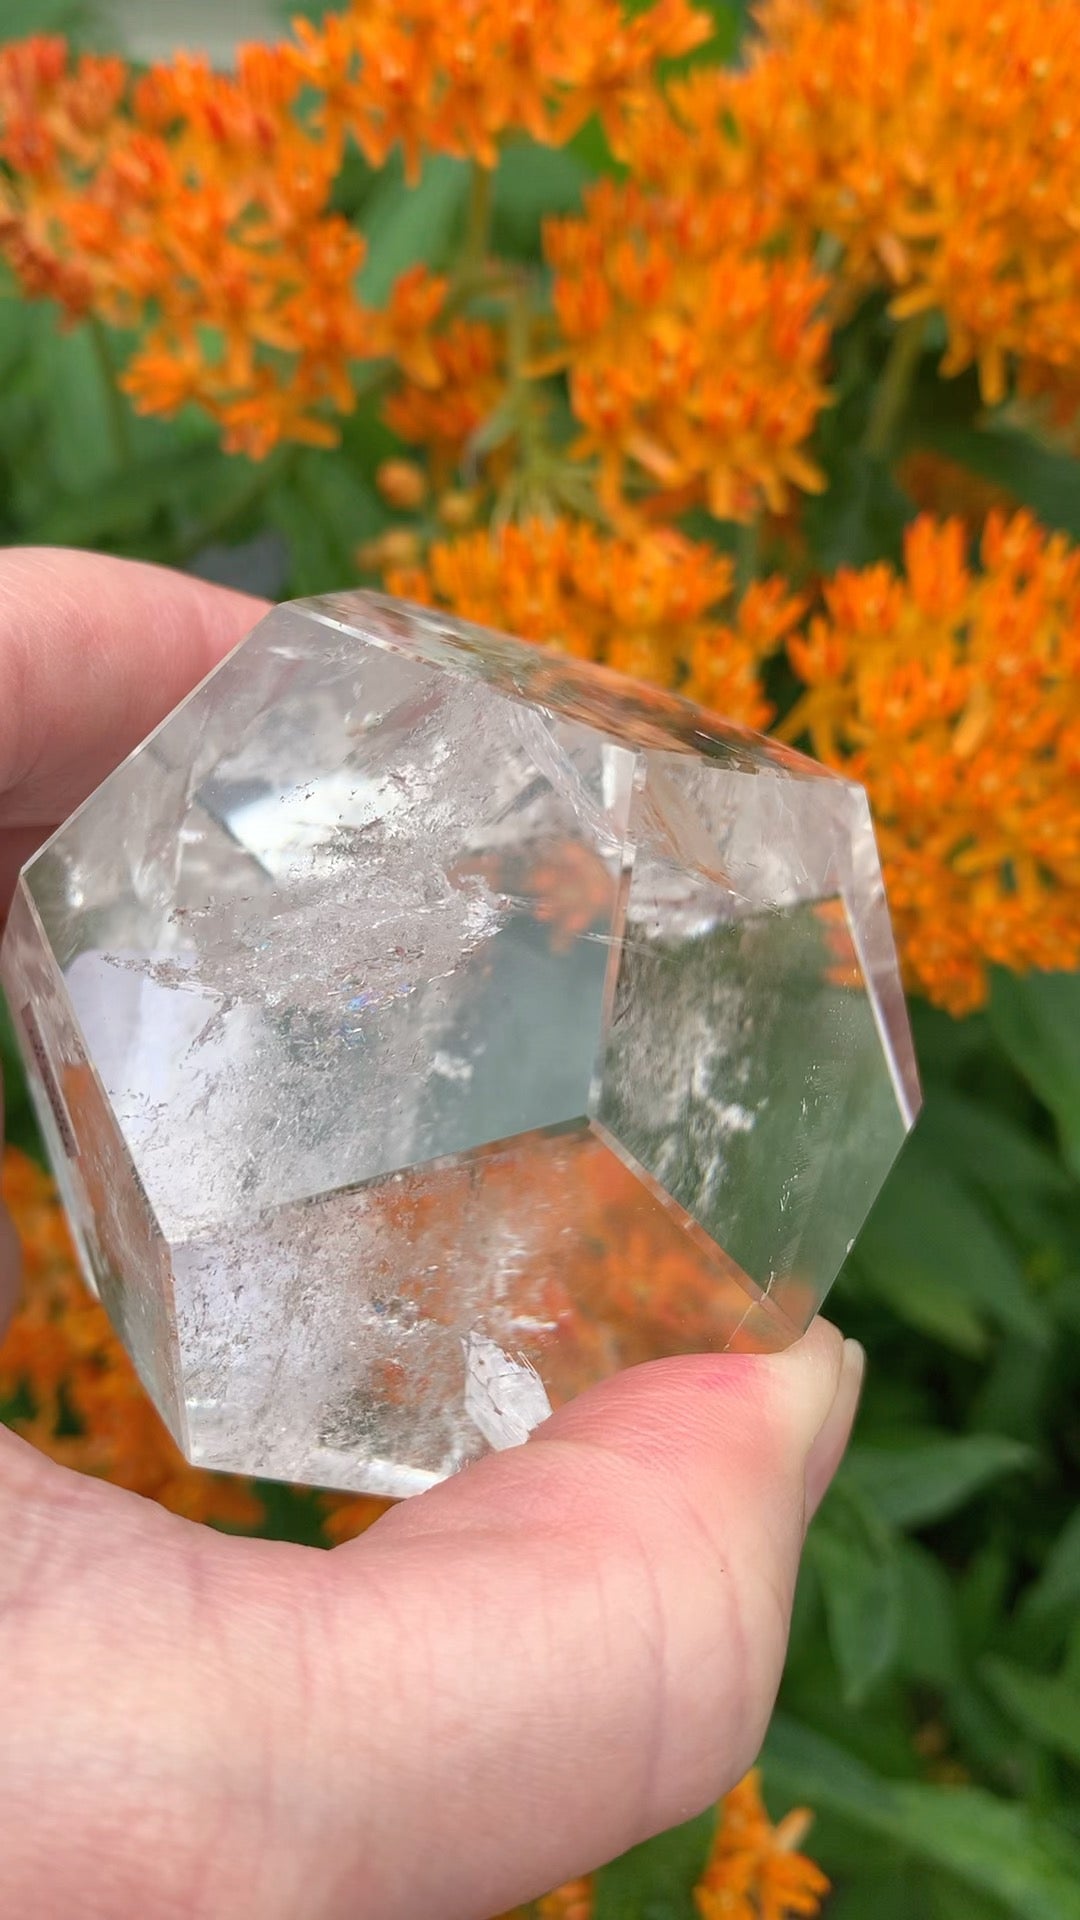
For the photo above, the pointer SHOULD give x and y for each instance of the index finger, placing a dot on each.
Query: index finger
(93, 653)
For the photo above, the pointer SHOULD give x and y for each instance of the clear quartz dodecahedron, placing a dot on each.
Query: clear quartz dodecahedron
(425, 1025)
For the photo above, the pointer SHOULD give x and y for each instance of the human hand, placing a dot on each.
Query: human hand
(508, 1680)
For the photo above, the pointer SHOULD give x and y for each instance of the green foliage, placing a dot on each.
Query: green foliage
(1038, 1023)
(403, 224)
(1006, 1851)
(853, 1551)
(654, 1882)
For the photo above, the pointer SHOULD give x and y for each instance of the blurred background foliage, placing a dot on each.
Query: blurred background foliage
(930, 1713)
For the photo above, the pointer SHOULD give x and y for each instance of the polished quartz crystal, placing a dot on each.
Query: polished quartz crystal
(425, 1025)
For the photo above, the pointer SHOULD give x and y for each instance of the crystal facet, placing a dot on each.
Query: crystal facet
(425, 1025)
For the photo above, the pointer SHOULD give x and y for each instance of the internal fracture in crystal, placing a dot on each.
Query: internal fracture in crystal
(424, 1026)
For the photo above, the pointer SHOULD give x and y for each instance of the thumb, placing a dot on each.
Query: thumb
(578, 1642)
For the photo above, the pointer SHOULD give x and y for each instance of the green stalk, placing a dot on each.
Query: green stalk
(477, 244)
(747, 554)
(116, 408)
(894, 387)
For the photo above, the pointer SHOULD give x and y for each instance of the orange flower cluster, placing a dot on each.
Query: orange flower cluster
(935, 142)
(954, 696)
(755, 1871)
(439, 79)
(75, 1391)
(648, 606)
(695, 361)
(197, 215)
(194, 207)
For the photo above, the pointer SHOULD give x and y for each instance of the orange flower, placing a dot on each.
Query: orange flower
(433, 79)
(935, 143)
(955, 697)
(463, 387)
(648, 606)
(193, 206)
(347, 1515)
(694, 360)
(574, 1901)
(416, 300)
(754, 1871)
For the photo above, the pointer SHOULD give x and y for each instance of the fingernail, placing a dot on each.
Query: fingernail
(828, 1448)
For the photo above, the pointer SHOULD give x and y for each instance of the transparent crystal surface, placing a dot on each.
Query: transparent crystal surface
(425, 1025)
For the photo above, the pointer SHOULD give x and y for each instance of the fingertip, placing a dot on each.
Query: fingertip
(830, 1442)
(804, 1378)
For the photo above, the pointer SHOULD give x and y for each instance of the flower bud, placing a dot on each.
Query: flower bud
(402, 484)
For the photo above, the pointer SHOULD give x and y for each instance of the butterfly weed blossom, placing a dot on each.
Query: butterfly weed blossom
(695, 362)
(937, 146)
(953, 693)
(656, 606)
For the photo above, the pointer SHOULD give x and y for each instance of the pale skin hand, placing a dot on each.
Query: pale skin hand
(507, 1681)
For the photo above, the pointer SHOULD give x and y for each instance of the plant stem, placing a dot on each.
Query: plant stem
(894, 387)
(115, 404)
(478, 222)
(747, 554)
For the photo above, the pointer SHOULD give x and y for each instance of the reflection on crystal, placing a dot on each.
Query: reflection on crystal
(425, 1026)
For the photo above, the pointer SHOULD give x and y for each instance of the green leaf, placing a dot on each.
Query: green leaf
(929, 1650)
(316, 553)
(927, 1226)
(910, 1891)
(914, 1485)
(1045, 1706)
(862, 514)
(998, 1848)
(1056, 1594)
(404, 225)
(946, 1047)
(949, 1899)
(79, 410)
(1046, 481)
(71, 17)
(988, 1147)
(124, 506)
(1036, 1018)
(20, 1126)
(854, 1556)
(532, 184)
(349, 509)
(981, 1593)
(917, 1300)
(656, 1881)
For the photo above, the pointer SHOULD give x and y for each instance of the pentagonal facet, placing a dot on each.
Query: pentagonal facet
(424, 1025)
